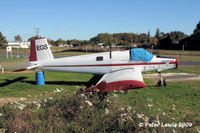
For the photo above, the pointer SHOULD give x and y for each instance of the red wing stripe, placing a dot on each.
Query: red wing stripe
(100, 65)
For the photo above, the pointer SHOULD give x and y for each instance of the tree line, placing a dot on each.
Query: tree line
(173, 40)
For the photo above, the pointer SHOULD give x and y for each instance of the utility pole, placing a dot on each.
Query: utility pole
(37, 31)
(183, 55)
(152, 48)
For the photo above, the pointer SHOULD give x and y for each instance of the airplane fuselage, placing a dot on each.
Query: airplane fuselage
(101, 63)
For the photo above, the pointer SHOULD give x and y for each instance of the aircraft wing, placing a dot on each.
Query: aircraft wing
(120, 80)
(28, 68)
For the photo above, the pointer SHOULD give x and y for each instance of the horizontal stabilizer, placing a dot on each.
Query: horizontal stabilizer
(27, 68)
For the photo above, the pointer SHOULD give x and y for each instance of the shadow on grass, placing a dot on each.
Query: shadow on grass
(8, 82)
(91, 82)
(58, 82)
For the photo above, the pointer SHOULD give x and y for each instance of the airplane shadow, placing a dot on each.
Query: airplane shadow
(58, 82)
(89, 83)
(8, 82)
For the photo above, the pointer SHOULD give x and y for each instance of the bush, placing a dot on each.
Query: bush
(73, 113)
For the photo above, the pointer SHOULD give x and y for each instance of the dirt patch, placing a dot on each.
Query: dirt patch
(10, 100)
(174, 77)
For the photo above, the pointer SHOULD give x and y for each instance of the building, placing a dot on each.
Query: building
(100, 45)
(19, 44)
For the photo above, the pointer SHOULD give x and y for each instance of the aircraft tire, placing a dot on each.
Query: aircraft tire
(164, 83)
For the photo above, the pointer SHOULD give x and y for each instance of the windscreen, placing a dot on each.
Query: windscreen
(140, 54)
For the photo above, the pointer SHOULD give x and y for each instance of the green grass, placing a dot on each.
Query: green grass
(185, 69)
(14, 50)
(185, 57)
(178, 102)
(2, 56)
(12, 86)
(178, 52)
(14, 63)
(184, 96)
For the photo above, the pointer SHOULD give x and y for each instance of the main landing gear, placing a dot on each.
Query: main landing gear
(161, 81)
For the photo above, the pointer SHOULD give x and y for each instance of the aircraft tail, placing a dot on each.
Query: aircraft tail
(40, 50)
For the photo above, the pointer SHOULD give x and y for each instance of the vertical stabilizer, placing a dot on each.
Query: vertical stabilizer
(40, 50)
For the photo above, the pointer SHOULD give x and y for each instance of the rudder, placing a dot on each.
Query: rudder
(40, 50)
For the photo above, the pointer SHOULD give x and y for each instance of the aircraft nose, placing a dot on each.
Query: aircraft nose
(177, 62)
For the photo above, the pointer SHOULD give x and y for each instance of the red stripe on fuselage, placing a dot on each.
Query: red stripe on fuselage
(100, 65)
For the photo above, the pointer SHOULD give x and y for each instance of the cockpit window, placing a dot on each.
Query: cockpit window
(140, 54)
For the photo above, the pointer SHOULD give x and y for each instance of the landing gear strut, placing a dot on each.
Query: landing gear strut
(161, 81)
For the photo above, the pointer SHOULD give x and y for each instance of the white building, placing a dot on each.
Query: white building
(19, 44)
(100, 45)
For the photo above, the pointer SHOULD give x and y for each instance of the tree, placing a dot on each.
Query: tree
(59, 42)
(3, 41)
(157, 33)
(135, 38)
(155, 41)
(149, 37)
(18, 38)
(50, 42)
(122, 39)
(171, 40)
(193, 41)
(143, 38)
(197, 29)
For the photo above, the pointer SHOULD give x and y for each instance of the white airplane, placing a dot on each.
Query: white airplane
(121, 70)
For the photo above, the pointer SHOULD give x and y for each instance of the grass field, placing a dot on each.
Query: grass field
(178, 52)
(22, 85)
(178, 102)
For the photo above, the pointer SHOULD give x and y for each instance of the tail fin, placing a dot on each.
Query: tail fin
(40, 50)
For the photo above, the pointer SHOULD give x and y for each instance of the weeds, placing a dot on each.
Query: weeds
(67, 112)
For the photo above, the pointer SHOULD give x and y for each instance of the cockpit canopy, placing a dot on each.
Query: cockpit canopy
(140, 54)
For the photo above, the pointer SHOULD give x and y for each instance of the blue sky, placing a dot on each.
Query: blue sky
(83, 19)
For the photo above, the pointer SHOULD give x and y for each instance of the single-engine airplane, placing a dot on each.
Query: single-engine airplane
(121, 70)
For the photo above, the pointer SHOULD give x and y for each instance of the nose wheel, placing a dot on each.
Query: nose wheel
(161, 81)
